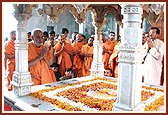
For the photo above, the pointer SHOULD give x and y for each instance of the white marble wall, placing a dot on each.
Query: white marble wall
(41, 21)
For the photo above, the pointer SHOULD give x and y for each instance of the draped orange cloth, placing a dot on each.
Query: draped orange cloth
(64, 59)
(109, 46)
(86, 49)
(10, 63)
(40, 72)
(77, 61)
(68, 40)
(113, 60)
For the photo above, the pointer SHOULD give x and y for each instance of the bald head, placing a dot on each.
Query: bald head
(35, 31)
(37, 36)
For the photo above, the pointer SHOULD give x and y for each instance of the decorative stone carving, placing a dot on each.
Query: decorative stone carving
(22, 8)
(152, 12)
(129, 10)
(128, 45)
(22, 83)
(99, 11)
(55, 10)
(81, 7)
(157, 8)
(126, 56)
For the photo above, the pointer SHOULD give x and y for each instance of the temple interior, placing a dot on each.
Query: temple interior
(125, 88)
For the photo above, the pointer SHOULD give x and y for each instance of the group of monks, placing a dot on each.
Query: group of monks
(76, 53)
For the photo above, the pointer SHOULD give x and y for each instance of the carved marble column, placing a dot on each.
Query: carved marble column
(98, 13)
(80, 21)
(21, 78)
(81, 28)
(130, 58)
(97, 67)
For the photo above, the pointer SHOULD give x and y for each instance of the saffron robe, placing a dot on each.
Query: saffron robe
(86, 49)
(52, 58)
(108, 45)
(10, 63)
(40, 72)
(113, 60)
(64, 59)
(77, 61)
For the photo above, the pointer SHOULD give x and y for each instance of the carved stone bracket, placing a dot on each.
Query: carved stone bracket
(22, 8)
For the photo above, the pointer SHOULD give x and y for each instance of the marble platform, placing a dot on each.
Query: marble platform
(31, 104)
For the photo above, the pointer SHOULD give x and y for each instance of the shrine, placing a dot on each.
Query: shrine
(95, 92)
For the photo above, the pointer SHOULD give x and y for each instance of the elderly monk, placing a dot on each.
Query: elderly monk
(10, 58)
(63, 52)
(87, 54)
(77, 61)
(38, 61)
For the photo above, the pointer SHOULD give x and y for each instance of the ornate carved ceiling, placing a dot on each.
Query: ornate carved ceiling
(150, 11)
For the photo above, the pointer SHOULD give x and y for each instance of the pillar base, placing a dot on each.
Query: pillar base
(22, 83)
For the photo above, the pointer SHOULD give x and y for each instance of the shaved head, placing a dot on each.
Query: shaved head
(35, 31)
(37, 36)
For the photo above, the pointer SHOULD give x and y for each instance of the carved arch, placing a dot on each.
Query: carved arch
(99, 11)
(55, 11)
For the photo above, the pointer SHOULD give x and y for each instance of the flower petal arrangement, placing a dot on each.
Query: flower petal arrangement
(96, 94)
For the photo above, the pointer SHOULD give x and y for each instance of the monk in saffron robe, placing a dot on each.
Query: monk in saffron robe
(63, 52)
(50, 43)
(87, 53)
(10, 58)
(38, 61)
(108, 47)
(113, 60)
(77, 61)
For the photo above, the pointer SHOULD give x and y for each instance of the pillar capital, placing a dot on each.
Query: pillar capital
(22, 11)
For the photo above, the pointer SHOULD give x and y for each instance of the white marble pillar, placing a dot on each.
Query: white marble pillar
(21, 78)
(97, 67)
(130, 58)
(81, 27)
